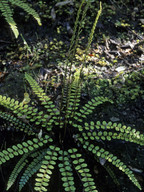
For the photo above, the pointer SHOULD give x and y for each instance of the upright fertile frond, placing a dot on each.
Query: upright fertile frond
(93, 28)
(74, 42)
(91, 37)
(78, 29)
(8, 15)
(75, 27)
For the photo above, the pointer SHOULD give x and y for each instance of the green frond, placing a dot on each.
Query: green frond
(72, 98)
(45, 120)
(45, 100)
(75, 27)
(78, 28)
(93, 28)
(8, 15)
(23, 148)
(112, 174)
(27, 9)
(31, 168)
(19, 166)
(8, 102)
(110, 131)
(26, 113)
(82, 169)
(89, 107)
(66, 171)
(124, 132)
(17, 123)
(100, 152)
(45, 171)
(14, 105)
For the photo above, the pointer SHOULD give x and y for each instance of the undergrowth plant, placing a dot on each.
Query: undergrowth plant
(62, 133)
(7, 12)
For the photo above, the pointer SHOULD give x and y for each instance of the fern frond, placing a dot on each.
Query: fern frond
(83, 170)
(52, 111)
(17, 123)
(124, 132)
(93, 28)
(72, 98)
(75, 28)
(100, 152)
(112, 174)
(45, 100)
(19, 166)
(27, 9)
(89, 107)
(27, 114)
(8, 15)
(23, 148)
(32, 168)
(18, 108)
(66, 171)
(101, 131)
(44, 174)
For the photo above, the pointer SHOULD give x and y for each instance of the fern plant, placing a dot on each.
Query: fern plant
(62, 134)
(7, 12)
(64, 138)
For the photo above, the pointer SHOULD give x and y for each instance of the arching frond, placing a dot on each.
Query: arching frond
(7, 12)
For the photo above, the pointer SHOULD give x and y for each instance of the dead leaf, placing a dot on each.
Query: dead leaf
(64, 3)
(53, 14)
(121, 68)
(2, 75)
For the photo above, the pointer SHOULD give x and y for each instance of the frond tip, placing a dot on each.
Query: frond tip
(7, 13)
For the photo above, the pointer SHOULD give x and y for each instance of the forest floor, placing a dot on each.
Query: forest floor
(115, 65)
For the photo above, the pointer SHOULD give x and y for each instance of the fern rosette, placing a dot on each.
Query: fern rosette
(62, 137)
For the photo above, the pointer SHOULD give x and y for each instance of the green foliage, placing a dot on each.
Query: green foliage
(31, 168)
(7, 12)
(19, 166)
(122, 88)
(60, 133)
(66, 171)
